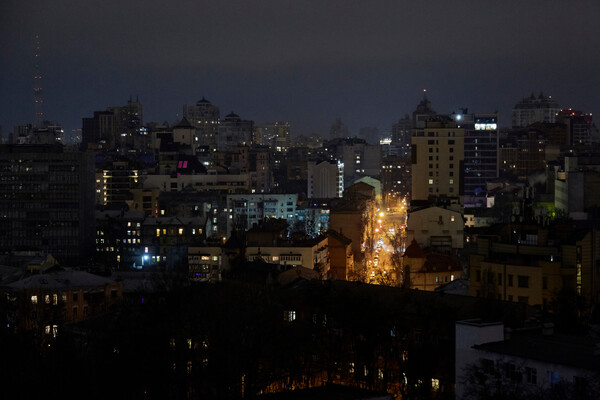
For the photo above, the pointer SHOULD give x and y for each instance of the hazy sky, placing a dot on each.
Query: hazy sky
(305, 62)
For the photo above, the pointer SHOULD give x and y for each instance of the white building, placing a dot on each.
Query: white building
(531, 109)
(313, 254)
(529, 359)
(245, 210)
(436, 227)
(325, 179)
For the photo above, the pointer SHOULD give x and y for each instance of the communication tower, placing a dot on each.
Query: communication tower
(37, 85)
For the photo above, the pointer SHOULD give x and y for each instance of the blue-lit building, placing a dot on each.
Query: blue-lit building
(480, 154)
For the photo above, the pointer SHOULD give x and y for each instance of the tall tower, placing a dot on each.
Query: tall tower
(37, 85)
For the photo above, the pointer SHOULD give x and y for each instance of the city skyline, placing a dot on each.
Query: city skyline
(306, 62)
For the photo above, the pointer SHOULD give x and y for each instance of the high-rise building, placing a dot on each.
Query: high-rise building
(579, 127)
(481, 136)
(205, 117)
(359, 158)
(401, 137)
(275, 135)
(424, 112)
(325, 179)
(99, 130)
(47, 201)
(338, 129)
(437, 162)
(531, 109)
(116, 128)
(233, 131)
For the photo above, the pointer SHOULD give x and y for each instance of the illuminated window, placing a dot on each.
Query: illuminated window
(452, 218)
(435, 384)
(181, 231)
(55, 299)
(431, 181)
(33, 299)
(158, 233)
(289, 316)
(47, 299)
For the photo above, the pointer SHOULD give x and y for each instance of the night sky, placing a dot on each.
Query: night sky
(305, 62)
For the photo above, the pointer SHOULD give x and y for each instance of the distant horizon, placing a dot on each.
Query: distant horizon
(306, 62)
(504, 120)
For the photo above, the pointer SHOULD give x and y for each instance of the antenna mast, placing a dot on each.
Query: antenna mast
(37, 85)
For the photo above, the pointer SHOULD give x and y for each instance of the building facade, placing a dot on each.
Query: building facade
(47, 201)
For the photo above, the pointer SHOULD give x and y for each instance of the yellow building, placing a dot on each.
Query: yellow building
(429, 271)
(535, 267)
(437, 160)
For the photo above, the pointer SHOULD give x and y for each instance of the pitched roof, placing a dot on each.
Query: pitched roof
(414, 250)
(60, 280)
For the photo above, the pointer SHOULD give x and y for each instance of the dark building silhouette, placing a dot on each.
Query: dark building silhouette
(46, 201)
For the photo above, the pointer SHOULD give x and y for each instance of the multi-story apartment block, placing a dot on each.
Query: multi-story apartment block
(437, 228)
(116, 128)
(395, 178)
(205, 117)
(577, 186)
(205, 263)
(532, 109)
(359, 158)
(481, 140)
(233, 131)
(522, 362)
(401, 137)
(530, 264)
(211, 181)
(437, 162)
(353, 216)
(580, 127)
(114, 182)
(341, 259)
(119, 238)
(166, 240)
(47, 201)
(246, 210)
(325, 179)
(261, 170)
(310, 253)
(312, 216)
(275, 135)
(43, 303)
(428, 271)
